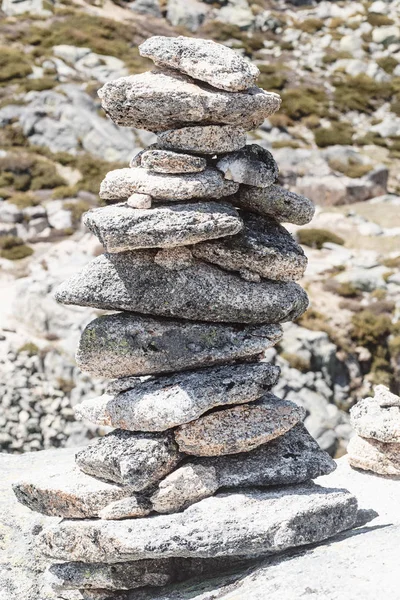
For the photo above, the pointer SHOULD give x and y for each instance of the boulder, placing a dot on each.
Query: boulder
(277, 202)
(208, 139)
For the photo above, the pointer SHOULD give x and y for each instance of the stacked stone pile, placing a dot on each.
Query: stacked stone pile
(376, 445)
(203, 274)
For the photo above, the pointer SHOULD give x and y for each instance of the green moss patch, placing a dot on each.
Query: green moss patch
(14, 65)
(13, 248)
(316, 238)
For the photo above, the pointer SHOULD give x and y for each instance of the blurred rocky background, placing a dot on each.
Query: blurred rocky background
(336, 139)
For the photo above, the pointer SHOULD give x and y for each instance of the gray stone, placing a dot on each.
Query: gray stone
(137, 460)
(277, 202)
(133, 281)
(370, 420)
(240, 428)
(384, 397)
(121, 228)
(294, 457)
(203, 60)
(139, 201)
(252, 165)
(121, 345)
(164, 161)
(164, 99)
(165, 402)
(373, 455)
(120, 184)
(208, 139)
(263, 247)
(127, 508)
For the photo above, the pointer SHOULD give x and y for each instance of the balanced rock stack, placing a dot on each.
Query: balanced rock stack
(204, 273)
(376, 445)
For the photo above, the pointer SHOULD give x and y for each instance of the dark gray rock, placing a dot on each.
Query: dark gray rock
(252, 165)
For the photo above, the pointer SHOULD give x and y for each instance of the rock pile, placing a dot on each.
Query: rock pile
(203, 287)
(376, 445)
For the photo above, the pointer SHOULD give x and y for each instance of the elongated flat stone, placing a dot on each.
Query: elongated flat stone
(208, 139)
(121, 345)
(121, 228)
(292, 458)
(135, 459)
(165, 402)
(127, 508)
(373, 455)
(165, 99)
(277, 202)
(252, 165)
(248, 523)
(263, 247)
(120, 184)
(204, 60)
(164, 161)
(239, 428)
(371, 420)
(133, 281)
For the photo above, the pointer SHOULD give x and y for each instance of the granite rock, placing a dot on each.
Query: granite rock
(203, 60)
(137, 460)
(139, 201)
(121, 228)
(373, 455)
(371, 420)
(164, 99)
(384, 397)
(263, 247)
(252, 165)
(165, 402)
(240, 428)
(120, 184)
(127, 508)
(277, 202)
(165, 161)
(208, 139)
(133, 281)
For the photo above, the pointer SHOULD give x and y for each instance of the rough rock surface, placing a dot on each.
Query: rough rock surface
(139, 201)
(263, 247)
(294, 457)
(371, 420)
(127, 508)
(164, 161)
(373, 455)
(249, 523)
(120, 184)
(133, 281)
(277, 202)
(240, 428)
(137, 460)
(121, 345)
(164, 99)
(204, 60)
(121, 228)
(165, 402)
(384, 397)
(209, 139)
(252, 165)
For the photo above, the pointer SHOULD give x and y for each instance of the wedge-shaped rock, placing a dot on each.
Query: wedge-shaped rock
(127, 508)
(120, 184)
(371, 420)
(263, 247)
(135, 459)
(277, 202)
(64, 491)
(121, 228)
(209, 139)
(252, 165)
(164, 161)
(121, 345)
(294, 457)
(240, 428)
(134, 281)
(205, 60)
(165, 99)
(248, 523)
(165, 402)
(373, 455)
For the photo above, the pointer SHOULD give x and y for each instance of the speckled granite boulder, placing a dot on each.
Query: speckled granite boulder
(371, 420)
(209, 139)
(252, 165)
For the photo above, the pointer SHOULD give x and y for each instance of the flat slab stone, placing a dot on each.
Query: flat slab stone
(240, 428)
(62, 490)
(135, 459)
(133, 281)
(208, 139)
(121, 345)
(249, 523)
(165, 402)
(120, 184)
(263, 247)
(277, 202)
(205, 60)
(164, 99)
(294, 457)
(121, 228)
(371, 420)
(373, 455)
(252, 165)
(164, 161)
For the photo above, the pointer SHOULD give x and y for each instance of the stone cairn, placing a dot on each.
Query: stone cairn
(376, 445)
(203, 272)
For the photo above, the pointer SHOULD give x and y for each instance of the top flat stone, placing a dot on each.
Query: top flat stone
(370, 420)
(162, 99)
(206, 60)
